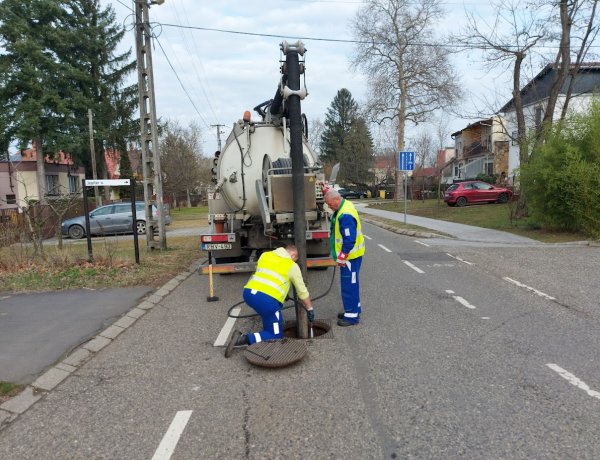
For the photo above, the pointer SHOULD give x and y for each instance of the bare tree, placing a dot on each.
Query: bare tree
(181, 155)
(315, 131)
(519, 28)
(409, 72)
(506, 43)
(425, 149)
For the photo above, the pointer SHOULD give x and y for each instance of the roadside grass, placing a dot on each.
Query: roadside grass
(493, 216)
(188, 217)
(113, 266)
(399, 224)
(8, 390)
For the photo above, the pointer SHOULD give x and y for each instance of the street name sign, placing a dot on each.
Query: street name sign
(102, 182)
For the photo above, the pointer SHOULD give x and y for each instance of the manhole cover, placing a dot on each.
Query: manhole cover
(276, 353)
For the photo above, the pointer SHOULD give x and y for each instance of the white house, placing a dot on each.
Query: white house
(535, 100)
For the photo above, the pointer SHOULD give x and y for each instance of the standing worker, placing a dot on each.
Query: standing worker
(266, 291)
(347, 248)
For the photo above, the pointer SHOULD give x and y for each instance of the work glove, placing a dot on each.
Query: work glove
(311, 315)
(341, 259)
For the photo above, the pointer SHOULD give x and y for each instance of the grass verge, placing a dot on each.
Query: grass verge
(8, 390)
(113, 266)
(493, 216)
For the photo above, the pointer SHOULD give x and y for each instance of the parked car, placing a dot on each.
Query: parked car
(111, 219)
(474, 191)
(352, 194)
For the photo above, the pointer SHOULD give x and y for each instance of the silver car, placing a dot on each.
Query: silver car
(111, 219)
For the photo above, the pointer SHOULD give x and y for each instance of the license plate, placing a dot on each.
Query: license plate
(216, 246)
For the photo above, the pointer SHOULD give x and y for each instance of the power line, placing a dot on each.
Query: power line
(181, 83)
(339, 40)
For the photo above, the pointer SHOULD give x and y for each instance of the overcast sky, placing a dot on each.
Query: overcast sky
(227, 73)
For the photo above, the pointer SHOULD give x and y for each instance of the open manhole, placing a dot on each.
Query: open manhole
(321, 329)
(276, 353)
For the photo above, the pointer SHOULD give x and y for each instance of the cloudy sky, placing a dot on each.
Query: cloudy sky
(224, 73)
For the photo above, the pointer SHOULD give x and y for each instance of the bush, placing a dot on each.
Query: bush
(562, 179)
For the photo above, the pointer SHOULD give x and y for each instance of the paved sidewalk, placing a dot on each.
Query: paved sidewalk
(465, 233)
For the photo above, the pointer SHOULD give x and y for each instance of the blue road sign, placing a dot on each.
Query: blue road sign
(406, 161)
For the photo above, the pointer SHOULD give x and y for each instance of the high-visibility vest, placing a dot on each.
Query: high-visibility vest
(359, 245)
(271, 276)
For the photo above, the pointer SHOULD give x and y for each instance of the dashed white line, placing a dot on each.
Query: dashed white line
(485, 317)
(367, 237)
(222, 337)
(461, 300)
(171, 438)
(384, 248)
(415, 268)
(420, 242)
(540, 293)
(573, 380)
(459, 259)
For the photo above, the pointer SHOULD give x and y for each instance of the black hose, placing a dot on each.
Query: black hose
(285, 307)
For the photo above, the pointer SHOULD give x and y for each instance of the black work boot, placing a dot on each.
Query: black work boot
(237, 339)
(341, 315)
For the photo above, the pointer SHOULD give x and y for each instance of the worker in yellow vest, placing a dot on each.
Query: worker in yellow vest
(347, 248)
(266, 291)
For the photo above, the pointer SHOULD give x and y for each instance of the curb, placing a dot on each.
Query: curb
(52, 377)
(402, 231)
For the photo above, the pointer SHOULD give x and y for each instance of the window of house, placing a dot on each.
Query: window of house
(538, 118)
(489, 168)
(11, 199)
(515, 138)
(74, 184)
(52, 186)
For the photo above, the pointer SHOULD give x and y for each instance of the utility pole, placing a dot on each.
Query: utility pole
(219, 132)
(93, 153)
(149, 135)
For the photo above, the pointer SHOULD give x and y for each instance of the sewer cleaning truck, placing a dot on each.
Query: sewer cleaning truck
(251, 200)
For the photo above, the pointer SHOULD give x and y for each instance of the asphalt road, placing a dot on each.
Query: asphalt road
(451, 360)
(37, 329)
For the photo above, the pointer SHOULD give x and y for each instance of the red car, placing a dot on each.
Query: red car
(474, 191)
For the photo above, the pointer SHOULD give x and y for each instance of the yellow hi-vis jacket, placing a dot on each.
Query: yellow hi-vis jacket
(272, 275)
(359, 245)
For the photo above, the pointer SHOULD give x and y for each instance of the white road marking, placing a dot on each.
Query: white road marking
(367, 237)
(459, 259)
(384, 248)
(462, 301)
(420, 242)
(540, 293)
(222, 337)
(171, 438)
(5, 297)
(415, 268)
(485, 317)
(574, 380)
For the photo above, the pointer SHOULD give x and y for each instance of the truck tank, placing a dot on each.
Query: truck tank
(250, 204)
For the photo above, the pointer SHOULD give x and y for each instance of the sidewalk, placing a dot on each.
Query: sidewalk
(464, 233)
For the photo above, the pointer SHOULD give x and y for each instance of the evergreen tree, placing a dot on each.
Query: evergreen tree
(104, 74)
(36, 90)
(338, 121)
(357, 159)
(346, 139)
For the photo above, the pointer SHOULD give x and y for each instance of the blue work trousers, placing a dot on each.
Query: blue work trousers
(351, 290)
(269, 310)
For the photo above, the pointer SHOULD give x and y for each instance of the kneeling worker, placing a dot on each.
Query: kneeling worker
(266, 291)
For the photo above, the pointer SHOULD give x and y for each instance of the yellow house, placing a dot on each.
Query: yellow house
(19, 184)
